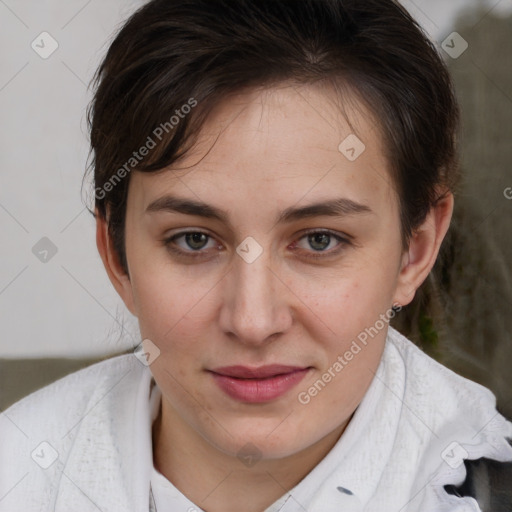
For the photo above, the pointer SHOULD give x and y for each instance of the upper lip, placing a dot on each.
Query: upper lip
(261, 372)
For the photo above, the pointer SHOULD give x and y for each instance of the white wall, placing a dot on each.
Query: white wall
(67, 306)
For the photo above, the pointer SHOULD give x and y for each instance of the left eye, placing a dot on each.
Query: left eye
(319, 241)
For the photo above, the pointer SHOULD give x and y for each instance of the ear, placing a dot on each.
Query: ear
(418, 260)
(110, 258)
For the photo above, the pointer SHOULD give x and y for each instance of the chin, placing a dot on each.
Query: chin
(264, 441)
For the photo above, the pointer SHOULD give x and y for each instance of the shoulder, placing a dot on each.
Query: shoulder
(463, 413)
(37, 433)
(450, 403)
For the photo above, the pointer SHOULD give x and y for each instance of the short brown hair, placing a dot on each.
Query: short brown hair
(176, 53)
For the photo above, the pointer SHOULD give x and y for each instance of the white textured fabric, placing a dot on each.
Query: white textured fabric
(390, 457)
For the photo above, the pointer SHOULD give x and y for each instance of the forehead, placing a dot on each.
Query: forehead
(278, 145)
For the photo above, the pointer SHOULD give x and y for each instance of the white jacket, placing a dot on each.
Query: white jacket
(84, 442)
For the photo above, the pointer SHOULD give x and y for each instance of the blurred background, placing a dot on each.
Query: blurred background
(59, 312)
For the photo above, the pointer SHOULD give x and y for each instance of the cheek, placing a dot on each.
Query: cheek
(350, 298)
(351, 347)
(172, 309)
(348, 324)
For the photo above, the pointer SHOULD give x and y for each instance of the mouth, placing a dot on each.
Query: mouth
(257, 385)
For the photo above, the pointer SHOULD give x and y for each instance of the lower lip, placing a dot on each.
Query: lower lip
(259, 390)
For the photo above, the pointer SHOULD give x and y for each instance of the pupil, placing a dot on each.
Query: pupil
(196, 238)
(322, 238)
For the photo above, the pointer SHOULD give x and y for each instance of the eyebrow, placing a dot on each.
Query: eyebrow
(338, 207)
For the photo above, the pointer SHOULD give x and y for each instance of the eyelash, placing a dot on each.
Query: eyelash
(343, 241)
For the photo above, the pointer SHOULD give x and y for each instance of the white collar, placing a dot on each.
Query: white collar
(99, 421)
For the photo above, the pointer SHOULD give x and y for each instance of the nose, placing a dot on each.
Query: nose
(256, 304)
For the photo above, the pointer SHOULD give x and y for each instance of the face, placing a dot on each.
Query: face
(267, 245)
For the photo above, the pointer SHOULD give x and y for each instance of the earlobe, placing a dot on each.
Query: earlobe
(118, 277)
(423, 249)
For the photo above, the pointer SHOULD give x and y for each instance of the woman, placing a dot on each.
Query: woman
(273, 182)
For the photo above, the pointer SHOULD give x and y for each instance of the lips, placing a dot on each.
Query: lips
(244, 372)
(257, 385)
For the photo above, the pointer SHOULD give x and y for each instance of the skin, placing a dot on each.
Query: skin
(259, 153)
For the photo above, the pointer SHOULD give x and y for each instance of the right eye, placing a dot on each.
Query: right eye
(195, 241)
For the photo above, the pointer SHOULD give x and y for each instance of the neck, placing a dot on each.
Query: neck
(218, 482)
